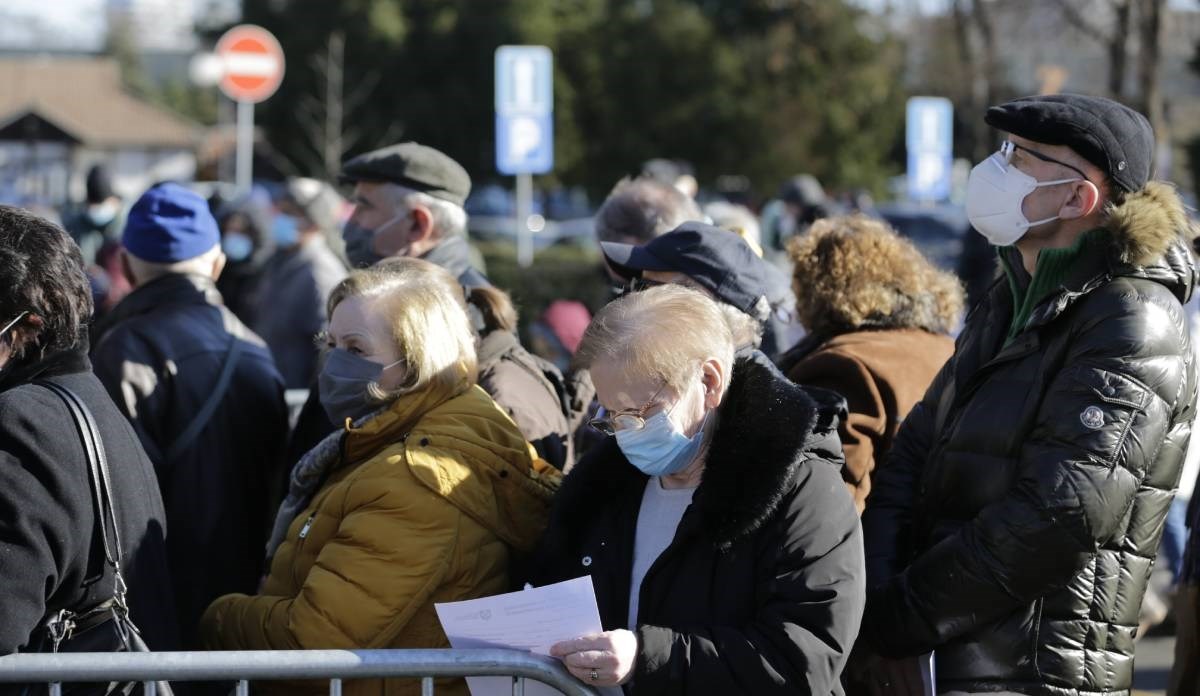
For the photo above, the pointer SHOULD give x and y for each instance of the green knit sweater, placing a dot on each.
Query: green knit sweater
(1051, 269)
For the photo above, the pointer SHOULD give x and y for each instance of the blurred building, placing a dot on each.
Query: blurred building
(60, 115)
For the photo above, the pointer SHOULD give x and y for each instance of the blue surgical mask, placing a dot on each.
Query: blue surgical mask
(659, 448)
(237, 246)
(285, 230)
(343, 384)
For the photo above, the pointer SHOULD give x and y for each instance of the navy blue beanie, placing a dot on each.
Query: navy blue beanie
(169, 224)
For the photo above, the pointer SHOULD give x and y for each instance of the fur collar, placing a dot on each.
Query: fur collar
(768, 427)
(1147, 223)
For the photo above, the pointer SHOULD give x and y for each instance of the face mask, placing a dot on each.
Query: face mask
(360, 242)
(659, 448)
(103, 213)
(237, 246)
(343, 385)
(285, 231)
(995, 191)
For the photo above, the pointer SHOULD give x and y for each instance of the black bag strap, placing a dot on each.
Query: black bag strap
(106, 511)
(205, 414)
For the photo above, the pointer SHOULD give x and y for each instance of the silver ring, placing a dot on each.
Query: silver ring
(595, 676)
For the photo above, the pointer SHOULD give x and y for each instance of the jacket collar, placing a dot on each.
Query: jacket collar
(170, 289)
(495, 345)
(394, 422)
(1149, 236)
(451, 254)
(70, 361)
(766, 428)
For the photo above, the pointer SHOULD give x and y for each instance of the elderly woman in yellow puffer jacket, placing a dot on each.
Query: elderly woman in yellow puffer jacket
(421, 498)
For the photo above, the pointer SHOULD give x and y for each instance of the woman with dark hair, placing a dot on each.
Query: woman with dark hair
(49, 526)
(531, 389)
(877, 315)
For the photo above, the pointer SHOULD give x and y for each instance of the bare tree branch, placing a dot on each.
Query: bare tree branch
(1072, 14)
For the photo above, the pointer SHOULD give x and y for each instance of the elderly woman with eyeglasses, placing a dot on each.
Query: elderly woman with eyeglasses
(724, 549)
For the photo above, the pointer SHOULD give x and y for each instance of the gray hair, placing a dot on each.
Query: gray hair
(449, 220)
(737, 219)
(639, 210)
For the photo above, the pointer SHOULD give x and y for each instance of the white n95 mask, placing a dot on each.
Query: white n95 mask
(995, 191)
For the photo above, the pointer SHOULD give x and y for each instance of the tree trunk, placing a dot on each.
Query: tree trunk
(1149, 64)
(1118, 48)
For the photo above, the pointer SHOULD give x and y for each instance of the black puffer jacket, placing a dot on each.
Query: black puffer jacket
(1016, 524)
(761, 590)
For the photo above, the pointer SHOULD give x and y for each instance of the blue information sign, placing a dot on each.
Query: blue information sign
(930, 142)
(524, 110)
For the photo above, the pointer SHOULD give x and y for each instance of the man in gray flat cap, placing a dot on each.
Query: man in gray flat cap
(408, 201)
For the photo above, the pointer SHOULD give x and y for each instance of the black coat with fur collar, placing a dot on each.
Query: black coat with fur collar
(1016, 523)
(761, 590)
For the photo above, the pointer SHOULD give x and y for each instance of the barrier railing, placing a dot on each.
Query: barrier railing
(244, 666)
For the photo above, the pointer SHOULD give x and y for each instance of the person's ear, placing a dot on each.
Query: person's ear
(127, 268)
(1085, 199)
(713, 376)
(218, 265)
(421, 224)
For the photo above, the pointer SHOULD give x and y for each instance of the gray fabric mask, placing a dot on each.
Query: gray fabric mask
(360, 242)
(343, 385)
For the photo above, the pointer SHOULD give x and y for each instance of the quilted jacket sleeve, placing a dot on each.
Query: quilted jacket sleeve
(364, 586)
(1099, 427)
(812, 586)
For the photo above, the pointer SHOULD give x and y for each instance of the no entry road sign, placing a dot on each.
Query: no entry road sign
(252, 61)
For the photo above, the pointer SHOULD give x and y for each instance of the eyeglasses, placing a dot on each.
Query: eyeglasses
(625, 419)
(13, 323)
(1008, 148)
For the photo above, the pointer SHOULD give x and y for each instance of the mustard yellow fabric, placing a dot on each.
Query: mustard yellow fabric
(428, 503)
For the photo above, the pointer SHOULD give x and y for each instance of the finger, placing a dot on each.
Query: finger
(576, 645)
(587, 659)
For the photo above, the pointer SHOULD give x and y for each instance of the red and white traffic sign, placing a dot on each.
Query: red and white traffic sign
(253, 63)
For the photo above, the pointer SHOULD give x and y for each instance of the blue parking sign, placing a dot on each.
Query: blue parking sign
(524, 110)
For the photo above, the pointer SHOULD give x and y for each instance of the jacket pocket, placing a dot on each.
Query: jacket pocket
(1099, 412)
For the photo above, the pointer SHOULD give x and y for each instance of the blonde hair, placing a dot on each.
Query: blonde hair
(427, 313)
(663, 333)
(854, 272)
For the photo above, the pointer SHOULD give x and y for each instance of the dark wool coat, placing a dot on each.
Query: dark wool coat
(761, 590)
(1015, 526)
(50, 553)
(159, 354)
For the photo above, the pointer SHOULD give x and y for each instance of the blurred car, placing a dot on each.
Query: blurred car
(939, 231)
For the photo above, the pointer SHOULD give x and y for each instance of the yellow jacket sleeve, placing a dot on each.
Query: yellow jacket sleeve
(392, 549)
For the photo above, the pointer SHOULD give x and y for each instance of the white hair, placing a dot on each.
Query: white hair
(146, 271)
(737, 219)
(449, 220)
(661, 334)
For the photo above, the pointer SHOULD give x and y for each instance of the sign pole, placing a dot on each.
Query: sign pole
(245, 145)
(524, 210)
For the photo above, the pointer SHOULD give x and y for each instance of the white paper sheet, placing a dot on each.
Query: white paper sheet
(531, 620)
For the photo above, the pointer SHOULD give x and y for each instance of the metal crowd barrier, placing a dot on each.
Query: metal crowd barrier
(243, 666)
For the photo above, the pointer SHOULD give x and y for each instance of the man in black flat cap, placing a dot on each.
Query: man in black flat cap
(1013, 530)
(408, 201)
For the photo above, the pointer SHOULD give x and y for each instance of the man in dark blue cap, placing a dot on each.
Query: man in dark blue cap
(1013, 531)
(203, 395)
(715, 261)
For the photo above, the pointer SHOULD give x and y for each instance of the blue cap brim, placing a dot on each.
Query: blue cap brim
(629, 260)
